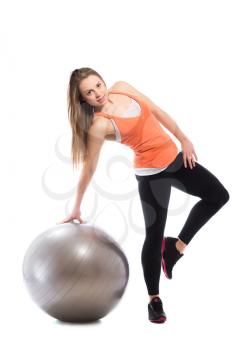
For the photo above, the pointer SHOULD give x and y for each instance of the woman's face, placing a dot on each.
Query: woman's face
(94, 91)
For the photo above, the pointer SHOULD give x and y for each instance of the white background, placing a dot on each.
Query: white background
(179, 54)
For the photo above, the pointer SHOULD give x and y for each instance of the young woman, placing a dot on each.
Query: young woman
(124, 114)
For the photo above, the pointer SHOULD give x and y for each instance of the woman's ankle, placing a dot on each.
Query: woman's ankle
(180, 246)
(153, 296)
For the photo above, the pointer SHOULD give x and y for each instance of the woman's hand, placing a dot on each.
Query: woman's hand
(76, 214)
(188, 153)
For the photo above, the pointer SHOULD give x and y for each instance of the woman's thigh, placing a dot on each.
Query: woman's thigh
(198, 181)
(154, 193)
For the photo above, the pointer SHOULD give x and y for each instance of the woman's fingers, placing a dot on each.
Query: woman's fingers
(189, 160)
(184, 159)
(62, 222)
(195, 154)
(68, 219)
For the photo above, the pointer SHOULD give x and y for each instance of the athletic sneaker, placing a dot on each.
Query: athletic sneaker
(155, 311)
(170, 255)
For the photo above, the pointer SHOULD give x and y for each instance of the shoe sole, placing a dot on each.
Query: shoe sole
(163, 261)
(162, 319)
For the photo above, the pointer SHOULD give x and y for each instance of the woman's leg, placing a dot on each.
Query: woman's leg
(154, 194)
(202, 183)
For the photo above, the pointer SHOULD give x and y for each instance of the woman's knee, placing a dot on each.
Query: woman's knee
(225, 196)
(219, 196)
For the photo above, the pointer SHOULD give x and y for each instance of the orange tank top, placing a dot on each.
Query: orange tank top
(152, 146)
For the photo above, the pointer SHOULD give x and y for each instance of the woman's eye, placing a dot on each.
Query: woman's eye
(97, 85)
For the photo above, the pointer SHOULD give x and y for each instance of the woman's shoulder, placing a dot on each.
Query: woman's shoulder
(120, 85)
(131, 90)
(123, 86)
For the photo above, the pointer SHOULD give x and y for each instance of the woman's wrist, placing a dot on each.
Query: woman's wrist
(184, 139)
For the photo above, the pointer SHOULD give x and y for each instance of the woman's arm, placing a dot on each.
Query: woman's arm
(167, 121)
(96, 138)
(161, 115)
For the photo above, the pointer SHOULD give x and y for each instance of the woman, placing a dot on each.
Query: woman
(124, 114)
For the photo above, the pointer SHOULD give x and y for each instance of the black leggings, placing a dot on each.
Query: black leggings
(154, 192)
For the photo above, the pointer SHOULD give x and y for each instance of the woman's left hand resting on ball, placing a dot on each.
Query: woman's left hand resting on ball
(75, 215)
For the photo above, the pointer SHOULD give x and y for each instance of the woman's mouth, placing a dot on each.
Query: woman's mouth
(101, 100)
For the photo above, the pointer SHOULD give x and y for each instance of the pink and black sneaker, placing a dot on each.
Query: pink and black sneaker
(170, 255)
(156, 313)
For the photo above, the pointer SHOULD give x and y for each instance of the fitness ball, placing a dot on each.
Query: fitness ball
(75, 272)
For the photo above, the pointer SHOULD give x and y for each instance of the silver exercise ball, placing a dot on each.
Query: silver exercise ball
(75, 272)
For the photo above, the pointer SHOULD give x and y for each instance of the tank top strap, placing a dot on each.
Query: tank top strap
(139, 100)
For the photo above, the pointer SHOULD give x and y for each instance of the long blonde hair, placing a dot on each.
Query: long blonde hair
(80, 114)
